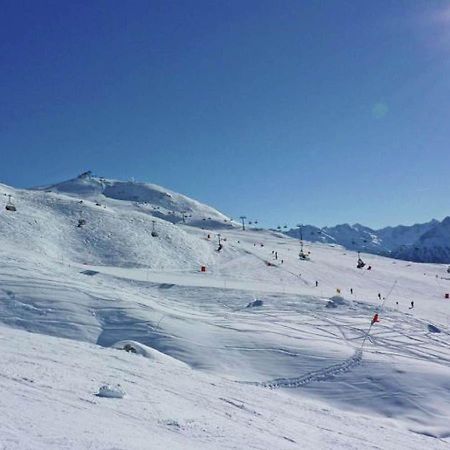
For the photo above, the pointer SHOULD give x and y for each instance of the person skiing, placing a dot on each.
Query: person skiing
(317, 283)
(351, 291)
(412, 304)
(375, 319)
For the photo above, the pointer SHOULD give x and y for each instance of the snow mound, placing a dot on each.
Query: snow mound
(147, 352)
(255, 303)
(433, 329)
(108, 391)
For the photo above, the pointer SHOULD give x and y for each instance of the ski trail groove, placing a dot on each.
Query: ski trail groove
(316, 375)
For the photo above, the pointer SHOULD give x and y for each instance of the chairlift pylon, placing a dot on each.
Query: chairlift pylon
(154, 233)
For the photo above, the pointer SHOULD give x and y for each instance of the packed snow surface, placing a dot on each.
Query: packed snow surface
(108, 304)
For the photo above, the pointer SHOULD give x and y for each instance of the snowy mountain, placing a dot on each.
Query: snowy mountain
(146, 197)
(401, 242)
(206, 366)
(431, 246)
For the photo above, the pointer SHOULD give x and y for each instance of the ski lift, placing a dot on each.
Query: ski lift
(10, 205)
(81, 221)
(360, 263)
(154, 232)
(302, 255)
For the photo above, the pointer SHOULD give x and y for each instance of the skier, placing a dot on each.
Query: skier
(412, 305)
(317, 283)
(351, 291)
(375, 319)
(379, 296)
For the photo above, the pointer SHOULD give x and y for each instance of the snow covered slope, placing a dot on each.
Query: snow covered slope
(48, 401)
(144, 197)
(110, 282)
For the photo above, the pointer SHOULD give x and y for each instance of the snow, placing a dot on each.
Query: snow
(108, 391)
(48, 401)
(206, 371)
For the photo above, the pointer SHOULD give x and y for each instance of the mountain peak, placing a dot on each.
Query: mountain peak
(146, 197)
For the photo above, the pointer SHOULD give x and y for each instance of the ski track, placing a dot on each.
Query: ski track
(313, 376)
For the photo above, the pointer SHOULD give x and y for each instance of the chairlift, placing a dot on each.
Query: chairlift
(10, 205)
(360, 263)
(81, 221)
(302, 255)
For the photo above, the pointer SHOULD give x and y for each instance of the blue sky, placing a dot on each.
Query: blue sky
(306, 111)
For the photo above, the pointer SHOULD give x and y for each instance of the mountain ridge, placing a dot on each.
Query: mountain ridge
(420, 242)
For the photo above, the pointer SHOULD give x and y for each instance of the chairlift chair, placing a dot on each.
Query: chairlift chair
(81, 221)
(302, 255)
(360, 263)
(10, 205)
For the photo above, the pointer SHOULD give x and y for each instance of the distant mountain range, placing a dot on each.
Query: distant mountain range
(426, 242)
